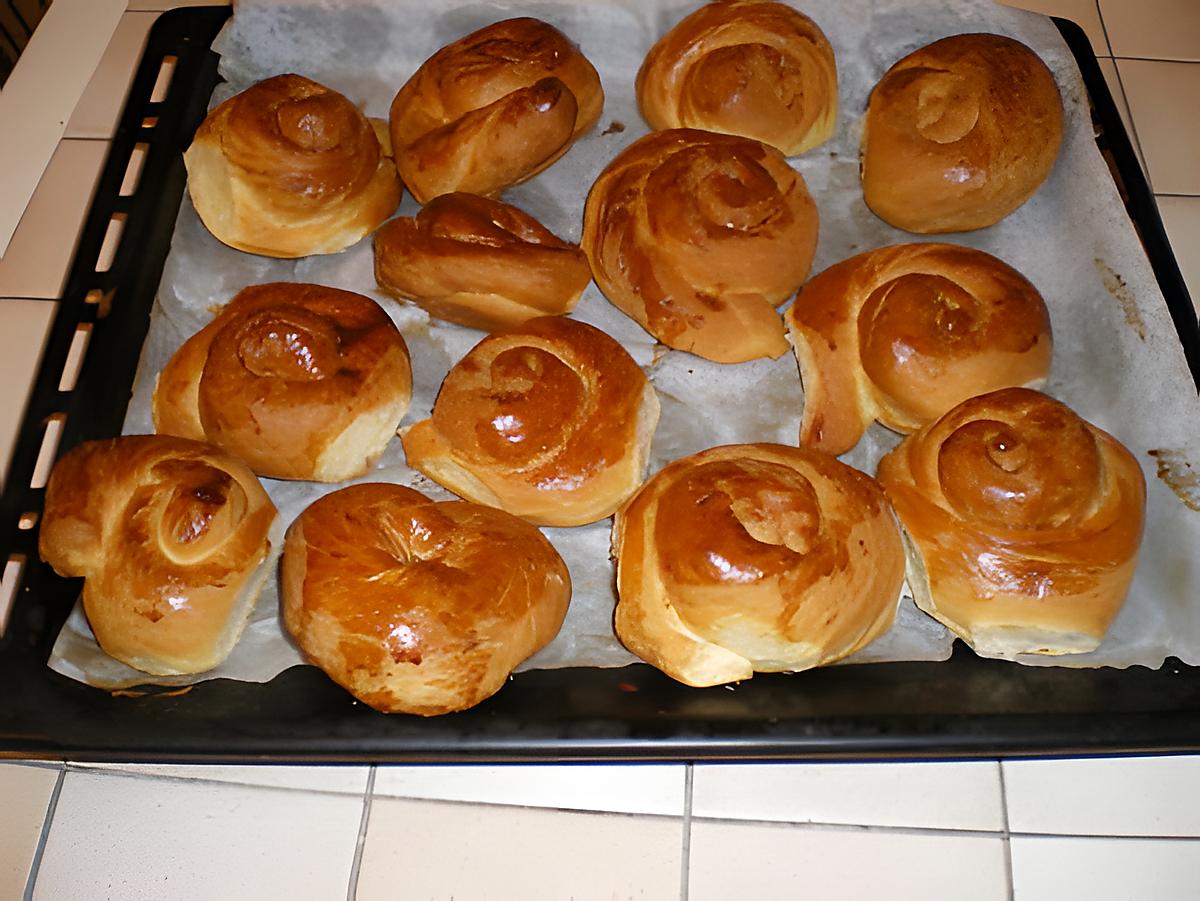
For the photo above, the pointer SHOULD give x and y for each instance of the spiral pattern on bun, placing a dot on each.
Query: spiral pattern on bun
(493, 109)
(479, 262)
(959, 134)
(300, 381)
(289, 168)
(744, 67)
(170, 537)
(754, 558)
(415, 606)
(1025, 522)
(551, 421)
(903, 333)
(699, 237)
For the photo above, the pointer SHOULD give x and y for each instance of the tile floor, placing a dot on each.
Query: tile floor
(1030, 830)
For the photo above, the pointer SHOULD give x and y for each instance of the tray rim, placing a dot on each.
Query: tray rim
(490, 733)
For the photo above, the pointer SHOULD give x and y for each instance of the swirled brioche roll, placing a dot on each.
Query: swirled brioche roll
(300, 381)
(415, 606)
(493, 109)
(1024, 523)
(289, 168)
(170, 537)
(903, 333)
(551, 421)
(479, 262)
(699, 237)
(754, 558)
(959, 134)
(744, 67)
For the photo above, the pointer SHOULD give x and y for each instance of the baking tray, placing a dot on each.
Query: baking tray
(963, 707)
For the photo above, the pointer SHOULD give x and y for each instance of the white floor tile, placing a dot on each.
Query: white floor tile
(763, 863)
(1104, 869)
(99, 108)
(1181, 218)
(36, 262)
(1120, 796)
(655, 789)
(122, 838)
(1157, 29)
(341, 779)
(26, 791)
(24, 325)
(430, 850)
(938, 795)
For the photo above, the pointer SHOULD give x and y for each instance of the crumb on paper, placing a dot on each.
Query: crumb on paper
(1116, 286)
(1178, 474)
(614, 128)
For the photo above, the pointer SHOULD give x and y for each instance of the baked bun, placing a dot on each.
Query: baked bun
(414, 606)
(699, 237)
(743, 67)
(300, 381)
(1024, 523)
(755, 558)
(289, 168)
(170, 537)
(959, 134)
(493, 109)
(479, 262)
(551, 421)
(903, 333)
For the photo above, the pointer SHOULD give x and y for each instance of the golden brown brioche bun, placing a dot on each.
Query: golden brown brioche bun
(1024, 523)
(479, 262)
(551, 421)
(743, 67)
(414, 606)
(170, 537)
(300, 381)
(699, 237)
(959, 134)
(903, 333)
(493, 109)
(755, 558)
(289, 168)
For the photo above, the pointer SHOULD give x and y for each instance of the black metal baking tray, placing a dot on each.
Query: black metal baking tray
(964, 707)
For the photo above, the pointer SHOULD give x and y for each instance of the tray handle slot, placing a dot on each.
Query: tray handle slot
(75, 355)
(133, 171)
(112, 240)
(9, 581)
(48, 451)
(162, 84)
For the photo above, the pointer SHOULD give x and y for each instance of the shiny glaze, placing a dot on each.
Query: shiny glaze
(745, 67)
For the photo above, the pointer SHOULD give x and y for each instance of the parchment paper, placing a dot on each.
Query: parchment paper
(1117, 361)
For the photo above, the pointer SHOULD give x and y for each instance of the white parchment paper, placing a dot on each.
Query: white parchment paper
(1117, 359)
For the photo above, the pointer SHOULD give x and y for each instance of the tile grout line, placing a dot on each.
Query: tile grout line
(359, 844)
(1008, 862)
(686, 851)
(84, 768)
(36, 864)
(1134, 138)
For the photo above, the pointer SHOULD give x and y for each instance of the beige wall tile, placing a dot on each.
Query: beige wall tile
(36, 262)
(434, 850)
(941, 795)
(26, 791)
(1158, 29)
(1181, 217)
(731, 861)
(1104, 869)
(120, 837)
(100, 106)
(1164, 100)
